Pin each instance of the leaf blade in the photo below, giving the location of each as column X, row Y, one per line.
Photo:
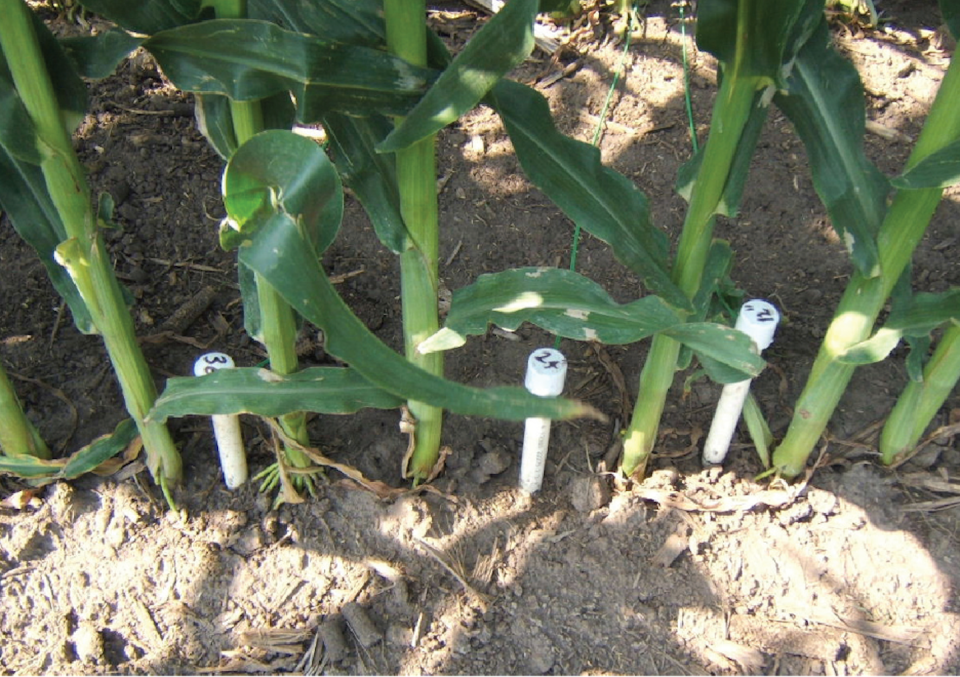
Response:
column 824, row 101
column 496, row 49
column 247, row 60
column 326, row 390
column 605, row 203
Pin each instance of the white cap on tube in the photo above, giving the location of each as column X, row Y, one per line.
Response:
column 546, row 371
column 758, row 319
column 211, row 362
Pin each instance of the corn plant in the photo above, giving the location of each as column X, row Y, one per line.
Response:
column 929, row 385
column 18, row 436
column 329, row 57
column 419, row 275
column 850, row 340
column 758, row 45
column 270, row 319
column 45, row 193
column 104, row 455
column 268, row 208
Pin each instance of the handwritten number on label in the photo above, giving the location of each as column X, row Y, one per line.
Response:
column 544, row 359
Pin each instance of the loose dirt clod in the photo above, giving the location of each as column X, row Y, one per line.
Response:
column 360, row 625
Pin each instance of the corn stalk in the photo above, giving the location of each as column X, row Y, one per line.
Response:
column 83, row 253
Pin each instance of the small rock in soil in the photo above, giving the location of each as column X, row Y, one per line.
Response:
column 489, row 464
column 334, row 644
column 88, row 643
column 589, row 493
column 541, row 655
column 399, row 635
column 361, row 625
column 927, row 457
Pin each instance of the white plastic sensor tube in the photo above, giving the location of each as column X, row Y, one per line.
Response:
column 546, row 372
column 226, row 427
column 758, row 320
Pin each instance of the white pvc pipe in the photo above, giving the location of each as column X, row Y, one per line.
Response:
column 546, row 371
column 758, row 319
column 226, row 427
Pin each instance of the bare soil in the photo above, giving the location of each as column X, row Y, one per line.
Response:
column 694, row 571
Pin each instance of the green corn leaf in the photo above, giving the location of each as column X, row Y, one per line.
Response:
column 279, row 167
column 275, row 249
column 558, row 300
column 824, row 100
column 725, row 353
column 758, row 38
column 24, row 198
column 371, row 175
column 758, row 428
column 327, row 390
column 951, row 16
column 85, row 460
column 249, row 60
column 573, row 306
column 350, row 21
column 69, row 89
column 357, row 22
column 275, row 166
column 496, row 49
column 605, row 203
column 18, row 136
column 938, row 170
column 146, row 18
column 917, row 318
column 216, row 123
column 98, row 56
column 736, row 181
column 917, row 357
column 279, row 254
column 715, row 272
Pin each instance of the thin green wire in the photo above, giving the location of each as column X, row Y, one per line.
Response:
column 575, row 245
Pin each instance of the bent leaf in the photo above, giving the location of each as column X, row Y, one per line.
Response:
column 278, row 169
column 97, row 56
column 87, row 459
column 496, row 49
column 938, row 170
column 602, row 201
column 249, row 60
column 824, row 101
column 916, row 318
column 327, row 390
column 278, row 253
column 573, row 306
column 558, row 300
column 274, row 247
